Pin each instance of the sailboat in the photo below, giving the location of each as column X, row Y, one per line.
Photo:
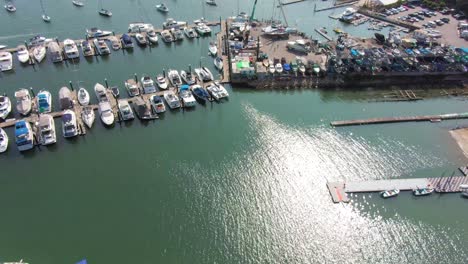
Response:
column 45, row 17
column 104, row 12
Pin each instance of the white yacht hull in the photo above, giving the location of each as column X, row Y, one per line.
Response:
column 4, row 141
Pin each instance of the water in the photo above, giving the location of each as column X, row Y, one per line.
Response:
column 237, row 182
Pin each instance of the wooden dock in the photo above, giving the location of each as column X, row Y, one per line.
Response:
column 384, row 120
column 323, row 34
column 335, row 6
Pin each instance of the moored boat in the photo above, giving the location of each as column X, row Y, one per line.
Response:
column 126, row 112
column 100, row 92
column 142, row 110
column 47, row 133
column 141, row 40
column 78, row 3
column 101, row 46
column 222, row 91
column 177, row 34
column 115, row 91
column 65, row 98
column 390, row 193
column 6, row 61
column 22, row 53
column 69, row 125
column 171, row 23
column 186, row 96
column 23, row 135
column 157, row 104
column 172, row 100
column 213, row 49
column 71, row 50
column 127, row 42
column 174, row 78
column 152, row 36
column 88, row 116
column 23, row 101
column 133, row 89
column 97, row 33
column 10, row 7
column 3, row 141
column 83, row 96
column 87, row 48
column 39, row 53
column 105, row 12
column 188, row 77
column 106, row 114
column 55, row 52
column 464, row 190
column 218, row 62
column 190, row 32
column 148, row 85
column 167, row 36
column 44, row 101
column 5, row 106
column 423, row 191
column 115, row 43
column 162, row 8
column 201, row 95
column 204, row 74
column 214, row 91
column 138, row 27
column 161, row 81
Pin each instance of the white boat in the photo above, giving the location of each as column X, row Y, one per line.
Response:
column 106, row 114
column 148, row 85
column 139, row 27
column 299, row 45
column 88, row 116
column 3, row 47
column 38, row 40
column 140, row 39
column 167, row 36
column 10, row 7
column 157, row 104
column 23, row 101
column 69, row 125
column 204, row 74
column 177, row 34
column 390, row 193
column 214, row 91
column 174, row 78
column 3, row 141
column 5, row 107
column 348, row 15
column 65, row 98
column 302, row 68
column 213, row 49
column 101, row 47
column 188, row 77
column 23, row 135
column 83, row 96
column 161, row 81
column 71, row 50
column 47, row 133
column 105, row 12
column 464, row 190
column 152, row 36
column 218, row 62
column 271, row 68
column 190, row 32
column 23, row 54
column 125, row 110
column 211, row 2
column 78, row 3
column 278, row 68
column 39, row 53
column 97, row 33
column 162, row 8
column 423, row 191
column 44, row 102
column 100, row 92
column 186, row 96
column 171, row 23
column 115, row 43
column 202, row 28
column 6, row 61
column 46, row 18
column 142, row 110
column 55, row 52
column 133, row 89
column 222, row 91
column 172, row 100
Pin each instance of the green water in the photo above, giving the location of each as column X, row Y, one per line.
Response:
column 237, row 182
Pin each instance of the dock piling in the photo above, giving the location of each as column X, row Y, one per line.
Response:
column 107, row 85
column 71, row 85
column 135, row 77
column 32, row 91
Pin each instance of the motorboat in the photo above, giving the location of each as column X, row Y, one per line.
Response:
column 65, row 98
column 162, row 8
column 23, row 54
column 204, row 74
column 271, row 68
column 188, row 77
column 201, row 95
column 167, row 36
column 174, row 78
column 127, row 42
column 141, row 40
column 133, row 88
column 278, row 68
column 100, row 92
column 6, row 61
column 177, row 34
column 97, row 33
column 69, row 125
column 126, row 112
column 302, row 68
column 23, row 101
column 202, row 28
column 148, row 85
column 152, row 36
column 139, row 27
column 38, row 40
column 171, row 23
column 218, row 62
column 211, row 2
column 115, row 91
column 161, row 81
column 71, row 50
column 5, row 106
column 299, row 45
column 348, row 15
column 46, row 18
column 83, row 96
column 157, row 104
column 78, row 3
column 213, row 49
column 10, row 7
column 464, row 190
column 423, row 191
column 23, row 135
column 390, row 193
column 106, row 114
column 142, row 110
column 101, row 47
column 44, row 101
column 186, row 96
column 39, row 53
column 88, row 116
column 172, row 100
column 190, row 32
column 223, row 93
column 115, row 43
column 47, row 133
column 3, row 141
column 105, row 12
column 87, row 48
column 55, row 52
column 214, row 91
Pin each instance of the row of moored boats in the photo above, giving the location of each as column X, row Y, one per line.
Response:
column 422, row 191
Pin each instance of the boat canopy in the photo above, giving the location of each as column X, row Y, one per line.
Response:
column 157, row 99
column 286, row 67
column 67, row 117
column 126, row 38
column 184, row 87
column 20, row 128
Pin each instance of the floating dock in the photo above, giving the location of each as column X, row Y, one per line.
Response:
column 323, row 34
column 335, row 6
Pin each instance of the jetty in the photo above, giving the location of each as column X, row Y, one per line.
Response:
column 334, row 7
column 323, row 34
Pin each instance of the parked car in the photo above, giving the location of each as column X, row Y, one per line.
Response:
column 445, row 20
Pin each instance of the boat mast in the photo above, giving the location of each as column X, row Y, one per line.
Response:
column 42, row 8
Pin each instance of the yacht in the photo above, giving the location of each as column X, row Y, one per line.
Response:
column 6, row 61
column 97, row 33
column 105, row 12
column 133, row 88
column 38, row 40
column 65, row 98
column 167, row 36
column 23, row 135
column 23, row 54
column 106, row 114
column 5, row 107
column 201, row 95
column 186, row 96
column 100, row 92
column 213, row 49
column 115, row 43
column 101, row 47
column 78, row 3
column 127, row 42
column 148, row 85
column 44, row 101
column 190, row 32
column 202, row 28
column 171, row 23
column 139, row 27
column 23, row 101
column 174, row 78
column 222, row 91
column 172, row 100
column 47, row 133
column 299, row 45
column 83, row 96
column 141, row 40
column 55, row 52
column 39, row 53
column 204, row 74
column 390, row 193
column 188, row 77
column 278, row 68
column 152, row 37
column 464, row 189
column 71, row 50
column 125, row 110
column 142, row 110
column 3, row 141
column 157, row 104
column 69, row 125
column 87, row 48
column 162, row 8
column 161, row 81
column 211, row 2
column 88, row 116
column 348, row 15
column 10, row 7
column 115, row 91
column 177, row 34
column 218, row 62
column 214, row 91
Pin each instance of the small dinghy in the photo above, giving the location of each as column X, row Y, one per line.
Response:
column 115, row 91
column 10, row 8
column 88, row 116
column 211, row 2
column 390, row 193
column 3, row 141
column 423, row 191
column 105, row 12
column 46, row 18
column 83, row 96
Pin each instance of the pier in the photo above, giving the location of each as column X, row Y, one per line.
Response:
column 335, row 6
column 323, row 34
column 388, row 20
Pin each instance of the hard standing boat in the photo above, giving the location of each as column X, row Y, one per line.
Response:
column 23, row 135
column 23, row 54
column 88, row 116
column 44, row 101
column 106, row 114
column 23, row 101
column 172, row 100
column 3, row 141
column 47, row 133
column 133, row 89
column 83, row 96
column 125, row 110
column 6, row 61
column 5, row 107
column 69, row 126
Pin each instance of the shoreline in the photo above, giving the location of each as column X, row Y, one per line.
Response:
column 461, row 137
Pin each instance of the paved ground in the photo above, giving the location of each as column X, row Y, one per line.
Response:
column 461, row 136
